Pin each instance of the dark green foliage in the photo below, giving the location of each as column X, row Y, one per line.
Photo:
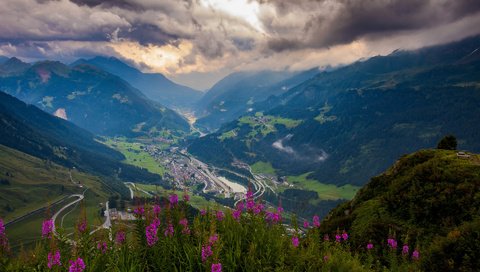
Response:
column 428, row 200
column 448, row 143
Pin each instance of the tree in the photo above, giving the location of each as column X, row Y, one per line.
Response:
column 448, row 142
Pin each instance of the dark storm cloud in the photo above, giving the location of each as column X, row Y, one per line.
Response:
column 344, row 21
column 124, row 4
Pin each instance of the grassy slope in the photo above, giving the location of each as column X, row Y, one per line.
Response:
column 35, row 184
column 325, row 191
column 136, row 156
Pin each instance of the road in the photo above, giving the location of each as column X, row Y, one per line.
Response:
column 128, row 184
column 54, row 217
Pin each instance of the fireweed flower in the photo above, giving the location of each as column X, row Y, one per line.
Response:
column 120, row 237
column 2, row 227
column 203, row 212
column 369, row 246
column 206, row 252
column 236, row 214
column 173, row 198
column 53, row 259
column 102, row 246
column 77, row 266
column 338, row 238
column 156, row 209
column 139, row 211
column 295, row 241
column 325, row 258
column 250, row 205
column 280, row 210
column 392, row 243
column 169, row 231
column 240, row 206
column 213, row 239
column 217, row 267
column 47, row 228
column 405, row 249
column 151, row 234
column 306, row 224
column 82, row 227
column 156, row 221
column 415, row 255
column 220, row 215
column 316, row 221
column 184, row 223
column 326, row 237
column 345, row 236
column 258, row 208
column 186, row 197
column 249, row 194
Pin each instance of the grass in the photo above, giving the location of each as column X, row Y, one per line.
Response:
column 134, row 155
column 266, row 124
column 263, row 168
column 325, row 191
column 229, row 134
column 35, row 183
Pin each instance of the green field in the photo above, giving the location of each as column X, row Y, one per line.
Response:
column 263, row 168
column 325, row 191
column 134, row 155
column 265, row 124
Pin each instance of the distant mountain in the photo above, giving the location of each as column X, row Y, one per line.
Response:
column 3, row 59
column 236, row 94
column 427, row 200
column 346, row 125
column 30, row 130
column 89, row 97
column 13, row 66
column 155, row 86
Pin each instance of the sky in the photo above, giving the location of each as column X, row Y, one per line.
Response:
column 197, row 42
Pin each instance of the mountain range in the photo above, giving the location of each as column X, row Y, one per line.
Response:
column 346, row 125
column 89, row 97
column 153, row 85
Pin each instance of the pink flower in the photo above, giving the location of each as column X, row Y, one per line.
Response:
column 326, row 237
column 220, row 215
column 250, row 205
column 206, row 252
column 405, row 249
column 139, row 211
column 120, row 237
column 82, row 227
column 240, row 206
column 47, row 228
column 392, row 243
column 338, row 238
column 156, row 221
column 217, row 267
column 316, row 221
column 213, row 239
column 345, row 236
column 183, row 222
column 369, row 246
column 2, row 228
column 102, row 246
column 237, row 214
column 186, row 197
column 173, row 198
column 306, row 224
column 295, row 241
column 415, row 254
column 157, row 209
column 249, row 194
column 151, row 234
column 258, row 208
column 77, row 266
column 325, row 258
column 53, row 259
column 280, row 209
column 169, row 231
column 203, row 212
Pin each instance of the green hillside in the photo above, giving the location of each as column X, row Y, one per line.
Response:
column 429, row 200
